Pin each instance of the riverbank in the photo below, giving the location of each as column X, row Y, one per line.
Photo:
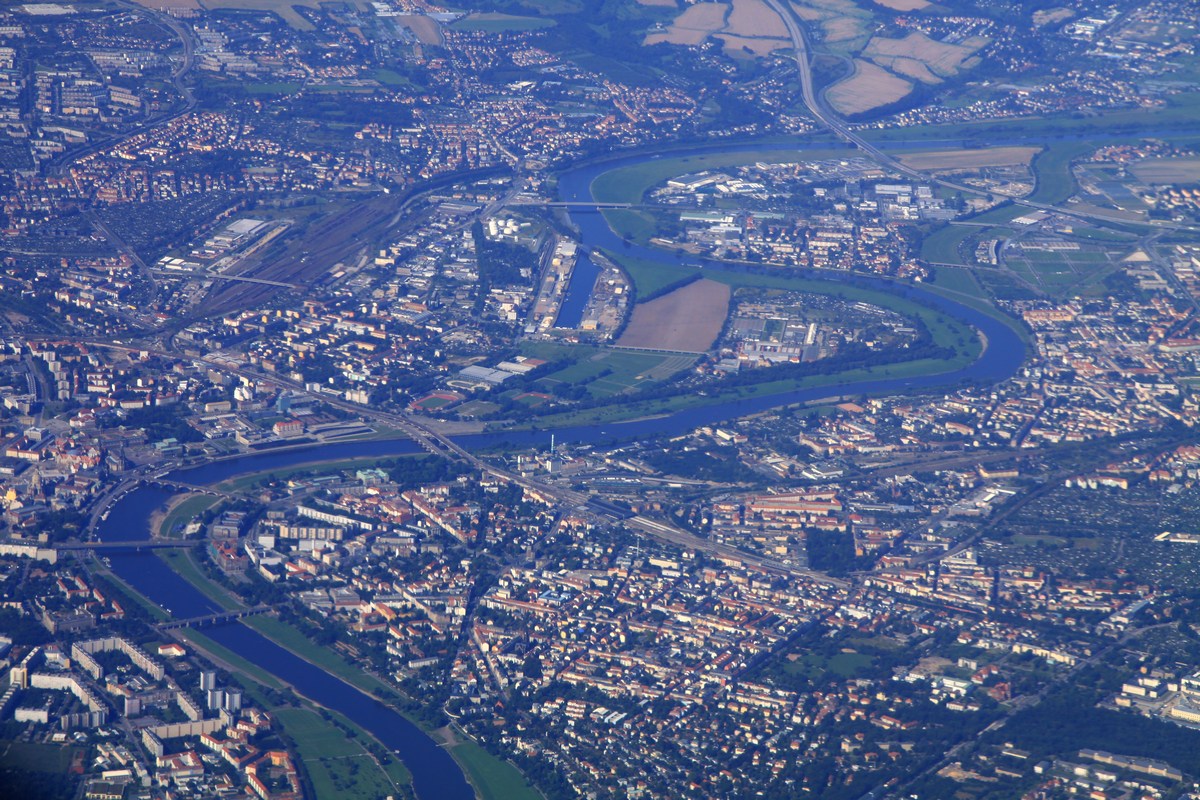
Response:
column 492, row 778
column 178, row 512
column 331, row 747
column 292, row 659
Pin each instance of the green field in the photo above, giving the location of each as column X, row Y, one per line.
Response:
column 50, row 758
column 299, row 643
column 182, row 514
column 1061, row 273
column 944, row 246
column 389, row 77
column 649, row 277
column 1178, row 115
column 1104, row 235
column 1001, row 215
column 493, row 778
column 339, row 766
column 499, row 23
column 243, row 482
column 1052, row 167
column 636, row 226
column 635, row 409
column 960, row 280
column 236, row 662
column 284, row 8
column 982, row 305
column 946, row 332
column 814, row 666
column 629, row 184
column 272, row 87
column 605, row 372
column 476, row 408
column 185, row 565
column 1003, row 286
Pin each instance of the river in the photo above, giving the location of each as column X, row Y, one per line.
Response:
column 436, row 776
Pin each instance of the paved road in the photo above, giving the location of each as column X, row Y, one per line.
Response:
column 442, row 445
column 178, row 75
column 826, row 116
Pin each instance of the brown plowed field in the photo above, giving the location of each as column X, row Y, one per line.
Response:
column 687, row 320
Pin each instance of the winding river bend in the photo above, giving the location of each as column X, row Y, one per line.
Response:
column 436, row 776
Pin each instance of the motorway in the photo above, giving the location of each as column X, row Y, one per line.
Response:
column 439, row 444
column 826, row 116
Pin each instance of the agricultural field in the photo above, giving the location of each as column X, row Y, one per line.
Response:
column 1167, row 170
column 170, row 5
column 949, row 160
column 844, row 26
column 284, row 9
column 1051, row 16
column 921, row 57
column 754, row 27
column 868, row 88
column 755, row 18
column 694, row 25
column 688, row 319
column 903, row 5
column 745, row 26
column 424, row 28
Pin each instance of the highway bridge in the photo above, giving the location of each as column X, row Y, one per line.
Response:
column 442, row 445
column 144, row 544
column 212, row 619
column 188, row 487
column 573, row 204
column 820, row 110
